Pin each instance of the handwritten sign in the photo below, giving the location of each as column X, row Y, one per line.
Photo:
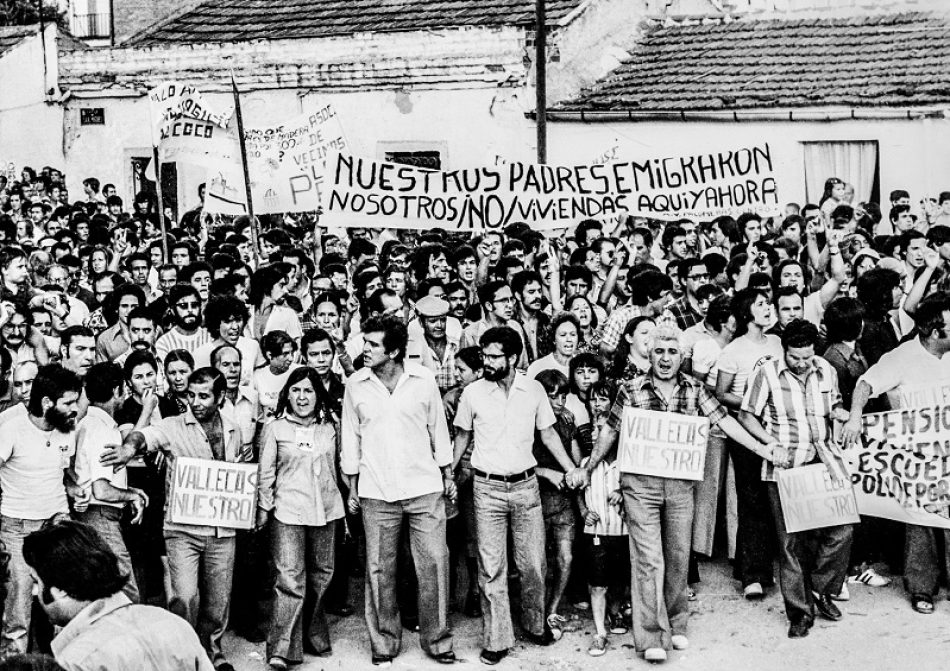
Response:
column 663, row 444
column 185, row 127
column 812, row 499
column 286, row 163
column 363, row 192
column 213, row 493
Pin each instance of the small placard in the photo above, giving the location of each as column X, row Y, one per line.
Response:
column 663, row 444
column 92, row 116
column 211, row 493
column 812, row 499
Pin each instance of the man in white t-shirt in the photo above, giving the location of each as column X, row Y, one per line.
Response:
column 109, row 488
column 36, row 452
column 187, row 333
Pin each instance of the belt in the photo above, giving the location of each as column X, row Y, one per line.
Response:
column 516, row 477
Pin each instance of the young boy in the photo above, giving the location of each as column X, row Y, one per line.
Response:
column 557, row 503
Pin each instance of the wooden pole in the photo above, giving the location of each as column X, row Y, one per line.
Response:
column 540, row 86
column 247, row 175
column 161, row 202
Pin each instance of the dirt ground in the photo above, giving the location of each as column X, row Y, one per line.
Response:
column 879, row 632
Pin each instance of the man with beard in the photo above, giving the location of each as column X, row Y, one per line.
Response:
column 501, row 413
column 77, row 349
column 22, row 341
column 36, row 451
column 397, row 460
column 187, row 332
column 200, row 558
column 527, row 287
column 225, row 319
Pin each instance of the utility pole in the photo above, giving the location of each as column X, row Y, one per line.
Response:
column 540, row 70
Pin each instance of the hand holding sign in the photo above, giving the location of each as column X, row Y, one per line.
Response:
column 851, row 432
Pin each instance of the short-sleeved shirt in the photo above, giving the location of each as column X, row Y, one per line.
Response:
column 31, row 470
column 504, row 425
column 96, row 431
column 742, row 357
column 909, row 364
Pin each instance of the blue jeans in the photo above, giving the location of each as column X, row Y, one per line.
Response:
column 501, row 507
column 660, row 522
column 18, row 605
column 304, row 558
column 202, row 569
column 382, row 523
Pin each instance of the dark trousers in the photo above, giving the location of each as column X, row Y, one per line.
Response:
column 925, row 559
column 809, row 561
column 754, row 535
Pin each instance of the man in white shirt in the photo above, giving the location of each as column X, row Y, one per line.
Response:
column 36, row 452
column 501, row 413
column 397, row 459
column 109, row 488
column 187, row 333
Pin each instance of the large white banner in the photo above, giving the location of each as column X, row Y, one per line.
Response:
column 286, row 163
column 363, row 192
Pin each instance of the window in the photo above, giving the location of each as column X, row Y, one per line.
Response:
column 91, row 19
column 854, row 162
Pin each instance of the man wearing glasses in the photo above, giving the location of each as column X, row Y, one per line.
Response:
column 498, row 309
column 687, row 309
column 187, row 333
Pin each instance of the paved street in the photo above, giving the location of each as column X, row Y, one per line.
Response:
column 727, row 633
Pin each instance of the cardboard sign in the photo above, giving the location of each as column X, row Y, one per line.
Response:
column 286, row 163
column 663, row 444
column 363, row 192
column 185, row 127
column 212, row 493
column 812, row 499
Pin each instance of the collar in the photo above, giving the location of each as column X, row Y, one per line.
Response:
column 646, row 381
column 226, row 424
column 782, row 367
column 87, row 617
column 95, row 412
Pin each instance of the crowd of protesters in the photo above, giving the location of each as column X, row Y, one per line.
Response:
column 439, row 414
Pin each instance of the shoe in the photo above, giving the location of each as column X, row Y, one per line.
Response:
column 753, row 591
column 616, row 624
column 627, row 609
column 680, row 642
column 556, row 625
column 547, row 638
column 224, row 666
column 492, row 657
column 843, row 595
column 445, row 657
column 869, row 577
column 827, row 608
column 342, row 610
column 473, row 605
column 691, row 593
column 655, row 655
column 382, row 661
column 277, row 664
column 582, row 605
column 598, row 646
column 922, row 603
column 798, row 629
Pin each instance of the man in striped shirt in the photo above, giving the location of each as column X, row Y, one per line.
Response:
column 187, row 333
column 792, row 400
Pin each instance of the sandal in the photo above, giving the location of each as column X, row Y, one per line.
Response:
column 922, row 604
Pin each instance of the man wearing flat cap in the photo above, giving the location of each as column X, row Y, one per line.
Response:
column 436, row 350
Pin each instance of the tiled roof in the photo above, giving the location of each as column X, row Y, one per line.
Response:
column 242, row 20
column 10, row 36
column 880, row 61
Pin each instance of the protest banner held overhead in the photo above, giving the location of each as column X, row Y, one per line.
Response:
column 365, row 192
column 663, row 444
column 812, row 499
column 286, row 166
column 213, row 493
column 187, row 128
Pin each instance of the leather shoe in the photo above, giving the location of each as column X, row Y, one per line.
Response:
column 547, row 638
column 492, row 657
column 798, row 629
column 827, row 608
column 445, row 657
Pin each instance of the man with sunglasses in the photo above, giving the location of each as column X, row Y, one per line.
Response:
column 187, row 333
column 687, row 309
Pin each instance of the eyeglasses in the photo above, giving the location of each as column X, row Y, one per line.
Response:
column 188, row 306
column 699, row 276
